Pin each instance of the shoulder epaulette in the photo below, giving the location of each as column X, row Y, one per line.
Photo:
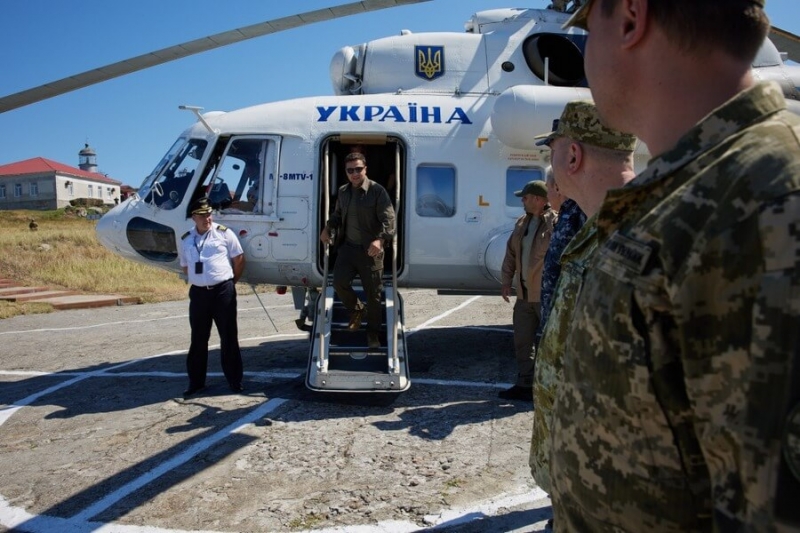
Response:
column 185, row 235
column 221, row 227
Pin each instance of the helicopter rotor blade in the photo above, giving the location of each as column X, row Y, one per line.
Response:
column 204, row 44
column 786, row 42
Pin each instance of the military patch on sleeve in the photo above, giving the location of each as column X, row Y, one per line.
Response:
column 185, row 235
column 791, row 441
column 633, row 254
column 221, row 227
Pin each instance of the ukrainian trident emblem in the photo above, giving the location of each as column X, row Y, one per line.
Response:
column 429, row 63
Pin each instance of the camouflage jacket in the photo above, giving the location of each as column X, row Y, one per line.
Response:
column 682, row 363
column 548, row 373
column 570, row 220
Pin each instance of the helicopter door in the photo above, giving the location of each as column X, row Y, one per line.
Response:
column 385, row 157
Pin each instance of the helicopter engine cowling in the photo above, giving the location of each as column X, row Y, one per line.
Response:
column 344, row 74
column 495, row 252
column 523, row 111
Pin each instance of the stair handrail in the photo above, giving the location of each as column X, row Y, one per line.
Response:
column 322, row 360
column 394, row 363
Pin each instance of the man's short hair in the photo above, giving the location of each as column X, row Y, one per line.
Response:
column 736, row 26
column 356, row 156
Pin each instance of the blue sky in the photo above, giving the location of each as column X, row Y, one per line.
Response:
column 131, row 121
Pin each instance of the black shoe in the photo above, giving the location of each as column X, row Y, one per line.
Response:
column 373, row 341
column 355, row 319
column 192, row 390
column 237, row 388
column 549, row 525
column 517, row 393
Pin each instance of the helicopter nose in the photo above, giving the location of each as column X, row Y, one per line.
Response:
column 111, row 233
column 126, row 232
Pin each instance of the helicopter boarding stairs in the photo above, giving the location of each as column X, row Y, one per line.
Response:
column 341, row 361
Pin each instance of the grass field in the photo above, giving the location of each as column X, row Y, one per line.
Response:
column 64, row 253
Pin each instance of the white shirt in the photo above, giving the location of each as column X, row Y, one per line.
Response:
column 214, row 249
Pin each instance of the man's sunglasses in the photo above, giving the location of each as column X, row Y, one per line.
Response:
column 355, row 170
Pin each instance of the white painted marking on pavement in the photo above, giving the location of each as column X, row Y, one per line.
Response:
column 11, row 516
column 123, row 322
column 184, row 457
column 443, row 315
column 6, row 412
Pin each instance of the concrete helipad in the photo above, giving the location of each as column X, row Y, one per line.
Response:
column 94, row 435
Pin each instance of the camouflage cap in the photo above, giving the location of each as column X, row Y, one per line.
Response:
column 579, row 121
column 579, row 18
column 201, row 206
column 535, row 187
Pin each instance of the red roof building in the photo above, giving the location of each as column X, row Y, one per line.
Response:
column 43, row 184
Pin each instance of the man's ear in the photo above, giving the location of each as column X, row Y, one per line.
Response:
column 574, row 157
column 633, row 17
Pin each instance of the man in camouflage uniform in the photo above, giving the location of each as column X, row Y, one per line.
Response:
column 679, row 406
column 587, row 159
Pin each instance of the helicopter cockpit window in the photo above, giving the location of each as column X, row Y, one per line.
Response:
column 174, row 173
column 237, row 183
column 436, row 191
column 516, row 178
column 144, row 189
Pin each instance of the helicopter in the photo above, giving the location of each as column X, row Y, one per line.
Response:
column 446, row 121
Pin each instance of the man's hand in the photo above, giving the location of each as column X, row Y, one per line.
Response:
column 325, row 236
column 505, row 290
column 375, row 247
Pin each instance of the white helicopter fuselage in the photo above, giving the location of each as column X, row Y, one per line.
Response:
column 456, row 242
column 448, row 117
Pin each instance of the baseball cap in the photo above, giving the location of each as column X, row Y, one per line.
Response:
column 535, row 187
column 580, row 121
column 201, row 206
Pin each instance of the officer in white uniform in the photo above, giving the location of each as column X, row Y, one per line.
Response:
column 212, row 258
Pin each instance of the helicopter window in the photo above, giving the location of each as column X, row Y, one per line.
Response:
column 237, row 184
column 168, row 190
column 516, row 178
column 169, row 156
column 436, row 191
column 152, row 240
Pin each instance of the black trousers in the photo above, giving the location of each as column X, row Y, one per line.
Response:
column 353, row 260
column 217, row 305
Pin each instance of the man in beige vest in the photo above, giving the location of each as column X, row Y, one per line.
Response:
column 522, row 267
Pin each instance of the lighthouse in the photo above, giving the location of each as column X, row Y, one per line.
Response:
column 87, row 159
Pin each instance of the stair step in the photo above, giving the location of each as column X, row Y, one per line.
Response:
column 12, row 291
column 33, row 296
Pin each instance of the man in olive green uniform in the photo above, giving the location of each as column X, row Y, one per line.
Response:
column 365, row 219
column 680, row 406
column 587, row 159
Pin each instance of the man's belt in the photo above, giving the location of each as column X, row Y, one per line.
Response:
column 210, row 287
